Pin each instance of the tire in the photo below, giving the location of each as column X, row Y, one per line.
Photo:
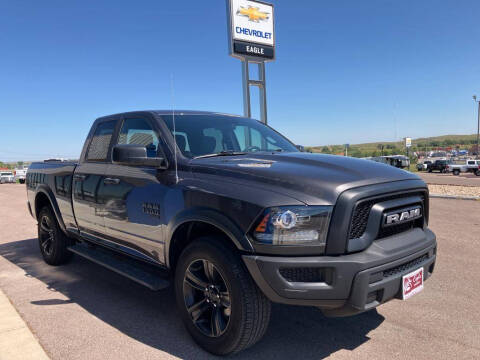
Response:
column 456, row 172
column 477, row 173
column 242, row 311
column 51, row 239
column 429, row 170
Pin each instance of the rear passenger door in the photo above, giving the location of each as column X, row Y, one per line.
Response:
column 134, row 217
column 88, row 181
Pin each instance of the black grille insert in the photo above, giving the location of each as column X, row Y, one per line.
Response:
column 406, row 266
column 306, row 274
column 361, row 212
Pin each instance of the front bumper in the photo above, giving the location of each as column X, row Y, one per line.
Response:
column 351, row 283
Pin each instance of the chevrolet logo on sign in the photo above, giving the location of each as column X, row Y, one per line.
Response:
column 253, row 13
column 252, row 28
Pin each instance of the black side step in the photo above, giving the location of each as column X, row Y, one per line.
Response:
column 137, row 271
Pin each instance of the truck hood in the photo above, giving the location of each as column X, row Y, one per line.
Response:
column 314, row 179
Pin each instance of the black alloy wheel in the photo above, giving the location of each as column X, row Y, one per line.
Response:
column 52, row 240
column 207, row 298
column 219, row 303
column 46, row 235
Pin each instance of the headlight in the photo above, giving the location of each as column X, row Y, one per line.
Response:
column 293, row 225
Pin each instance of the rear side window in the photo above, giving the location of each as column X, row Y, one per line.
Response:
column 139, row 132
column 98, row 149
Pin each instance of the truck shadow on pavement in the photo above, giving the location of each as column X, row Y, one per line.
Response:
column 151, row 317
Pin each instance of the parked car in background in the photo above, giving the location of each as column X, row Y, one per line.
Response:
column 6, row 177
column 423, row 166
column 438, row 165
column 20, row 174
column 469, row 166
column 399, row 161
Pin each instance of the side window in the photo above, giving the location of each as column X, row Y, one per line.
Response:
column 139, row 132
column 98, row 149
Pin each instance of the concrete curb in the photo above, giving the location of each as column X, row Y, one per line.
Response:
column 455, row 197
column 16, row 340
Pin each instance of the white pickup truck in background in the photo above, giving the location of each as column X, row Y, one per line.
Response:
column 20, row 174
column 469, row 166
column 6, row 177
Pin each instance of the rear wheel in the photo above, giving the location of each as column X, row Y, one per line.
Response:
column 222, row 308
column 456, row 172
column 53, row 242
column 477, row 172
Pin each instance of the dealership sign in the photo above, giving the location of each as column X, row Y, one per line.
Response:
column 251, row 29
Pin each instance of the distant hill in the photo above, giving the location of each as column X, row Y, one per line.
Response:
column 397, row 147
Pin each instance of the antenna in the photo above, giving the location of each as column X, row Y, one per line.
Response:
column 174, row 129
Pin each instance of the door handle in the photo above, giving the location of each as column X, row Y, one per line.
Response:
column 111, row 181
column 79, row 177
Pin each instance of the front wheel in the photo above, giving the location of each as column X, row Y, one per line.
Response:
column 221, row 306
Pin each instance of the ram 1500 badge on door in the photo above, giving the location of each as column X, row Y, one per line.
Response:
column 235, row 216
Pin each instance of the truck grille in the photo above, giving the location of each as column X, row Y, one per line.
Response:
column 361, row 212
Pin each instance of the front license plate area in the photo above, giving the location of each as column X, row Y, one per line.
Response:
column 412, row 283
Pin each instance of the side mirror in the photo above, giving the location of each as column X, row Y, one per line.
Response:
column 135, row 155
column 300, row 148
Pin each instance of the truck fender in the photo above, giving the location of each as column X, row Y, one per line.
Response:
column 44, row 189
column 211, row 217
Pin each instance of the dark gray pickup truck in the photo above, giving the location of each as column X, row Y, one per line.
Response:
column 235, row 216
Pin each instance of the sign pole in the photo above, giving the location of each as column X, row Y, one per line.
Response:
column 263, row 93
column 247, row 110
column 252, row 40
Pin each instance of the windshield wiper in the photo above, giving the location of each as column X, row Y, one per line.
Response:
column 221, row 153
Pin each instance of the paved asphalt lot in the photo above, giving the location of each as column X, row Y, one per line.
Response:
column 466, row 179
column 83, row 311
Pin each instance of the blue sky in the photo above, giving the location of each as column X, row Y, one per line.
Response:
column 346, row 71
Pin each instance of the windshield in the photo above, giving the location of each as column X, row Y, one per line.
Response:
column 198, row 135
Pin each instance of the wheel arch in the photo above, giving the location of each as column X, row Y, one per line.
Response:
column 45, row 197
column 194, row 223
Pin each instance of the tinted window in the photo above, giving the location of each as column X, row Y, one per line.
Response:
column 209, row 134
column 139, row 132
column 98, row 149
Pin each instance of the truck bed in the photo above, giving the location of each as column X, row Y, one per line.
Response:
column 56, row 177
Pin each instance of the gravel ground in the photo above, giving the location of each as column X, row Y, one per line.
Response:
column 83, row 311
column 454, row 190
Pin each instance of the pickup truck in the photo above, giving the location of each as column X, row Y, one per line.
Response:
column 438, row 165
column 469, row 166
column 6, row 177
column 20, row 175
column 235, row 217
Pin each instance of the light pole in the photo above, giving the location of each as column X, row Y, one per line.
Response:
column 478, row 120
